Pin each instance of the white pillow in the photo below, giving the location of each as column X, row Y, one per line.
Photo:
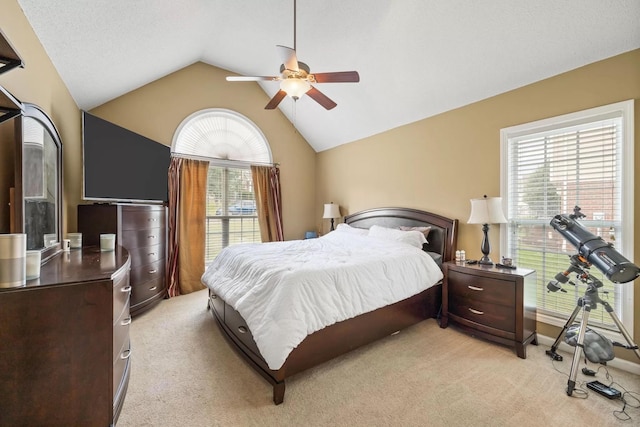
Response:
column 423, row 230
column 346, row 228
column 413, row 237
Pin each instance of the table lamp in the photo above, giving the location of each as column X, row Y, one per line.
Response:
column 485, row 211
column 331, row 211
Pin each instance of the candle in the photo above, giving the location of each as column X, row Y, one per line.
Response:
column 76, row 240
column 107, row 242
column 33, row 264
column 12, row 260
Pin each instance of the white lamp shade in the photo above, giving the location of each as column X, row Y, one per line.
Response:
column 487, row 211
column 331, row 211
column 295, row 88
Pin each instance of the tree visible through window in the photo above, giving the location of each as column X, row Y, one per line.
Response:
column 551, row 166
column 231, row 143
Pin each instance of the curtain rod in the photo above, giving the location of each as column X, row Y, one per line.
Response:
column 222, row 161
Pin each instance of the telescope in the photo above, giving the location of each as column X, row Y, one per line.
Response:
column 594, row 249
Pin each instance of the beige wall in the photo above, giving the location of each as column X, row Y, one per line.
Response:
column 439, row 163
column 157, row 109
column 39, row 83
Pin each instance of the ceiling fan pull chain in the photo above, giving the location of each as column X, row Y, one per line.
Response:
column 294, row 114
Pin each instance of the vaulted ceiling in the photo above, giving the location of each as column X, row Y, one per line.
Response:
column 416, row 58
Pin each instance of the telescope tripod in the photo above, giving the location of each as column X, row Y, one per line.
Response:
column 589, row 301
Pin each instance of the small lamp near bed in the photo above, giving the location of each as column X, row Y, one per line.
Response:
column 331, row 211
column 485, row 211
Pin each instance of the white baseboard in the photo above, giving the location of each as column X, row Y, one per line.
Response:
column 618, row 363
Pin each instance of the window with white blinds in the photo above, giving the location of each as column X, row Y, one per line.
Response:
column 549, row 167
column 231, row 209
column 231, row 143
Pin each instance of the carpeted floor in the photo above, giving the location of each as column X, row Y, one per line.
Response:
column 184, row 373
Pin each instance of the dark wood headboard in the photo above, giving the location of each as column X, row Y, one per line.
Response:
column 442, row 238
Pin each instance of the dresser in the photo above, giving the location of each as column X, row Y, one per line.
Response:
column 64, row 342
column 492, row 303
column 142, row 230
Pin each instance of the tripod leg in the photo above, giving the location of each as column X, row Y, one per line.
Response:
column 571, row 384
column 623, row 331
column 552, row 351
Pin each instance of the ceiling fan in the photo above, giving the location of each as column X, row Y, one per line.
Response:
column 296, row 78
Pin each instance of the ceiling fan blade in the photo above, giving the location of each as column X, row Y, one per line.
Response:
column 276, row 100
column 337, row 77
column 251, row 78
column 321, row 98
column 288, row 57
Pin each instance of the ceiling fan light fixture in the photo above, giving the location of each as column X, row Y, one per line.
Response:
column 295, row 87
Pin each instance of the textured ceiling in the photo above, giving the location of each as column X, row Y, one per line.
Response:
column 416, row 58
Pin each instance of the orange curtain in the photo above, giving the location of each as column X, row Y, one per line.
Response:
column 266, row 188
column 187, row 211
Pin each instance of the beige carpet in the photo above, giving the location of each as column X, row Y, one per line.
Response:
column 184, row 373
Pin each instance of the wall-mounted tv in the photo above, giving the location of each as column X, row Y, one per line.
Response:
column 122, row 166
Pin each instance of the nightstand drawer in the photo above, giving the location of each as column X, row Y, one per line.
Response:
column 481, row 289
column 495, row 316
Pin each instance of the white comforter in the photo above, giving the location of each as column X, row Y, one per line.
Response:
column 288, row 290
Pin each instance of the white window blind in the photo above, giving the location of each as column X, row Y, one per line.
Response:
column 549, row 167
column 231, row 209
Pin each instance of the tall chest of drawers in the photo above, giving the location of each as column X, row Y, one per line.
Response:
column 142, row 230
column 491, row 303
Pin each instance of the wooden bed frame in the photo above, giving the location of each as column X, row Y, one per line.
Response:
column 350, row 334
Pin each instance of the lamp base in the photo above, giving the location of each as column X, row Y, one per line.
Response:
column 486, row 247
column 485, row 260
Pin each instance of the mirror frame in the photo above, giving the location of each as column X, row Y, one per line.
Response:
column 35, row 112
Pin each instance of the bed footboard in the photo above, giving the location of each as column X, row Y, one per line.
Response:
column 327, row 343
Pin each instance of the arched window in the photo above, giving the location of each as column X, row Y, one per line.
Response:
column 220, row 134
column 231, row 143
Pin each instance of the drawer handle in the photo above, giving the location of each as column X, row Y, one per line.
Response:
column 475, row 288
column 151, row 254
column 152, row 219
column 152, row 236
column 126, row 321
column 126, row 289
column 153, row 288
column 242, row 329
column 125, row 354
column 214, row 296
column 153, row 271
column 476, row 311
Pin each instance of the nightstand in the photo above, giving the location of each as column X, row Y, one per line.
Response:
column 492, row 303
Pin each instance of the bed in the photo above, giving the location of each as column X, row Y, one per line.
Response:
column 340, row 337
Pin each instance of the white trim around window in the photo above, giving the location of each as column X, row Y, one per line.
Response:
column 620, row 111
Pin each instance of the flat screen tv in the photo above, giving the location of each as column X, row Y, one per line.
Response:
column 122, row 166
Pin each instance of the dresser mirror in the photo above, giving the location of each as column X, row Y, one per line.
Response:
column 38, row 192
